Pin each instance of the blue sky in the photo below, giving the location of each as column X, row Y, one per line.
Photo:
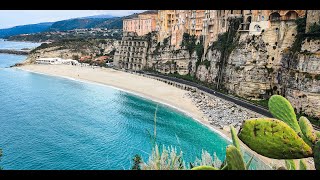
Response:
column 10, row 18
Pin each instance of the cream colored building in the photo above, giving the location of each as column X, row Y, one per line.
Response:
column 131, row 52
column 142, row 25
column 166, row 19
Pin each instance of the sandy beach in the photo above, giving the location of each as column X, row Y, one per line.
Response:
column 139, row 85
column 142, row 86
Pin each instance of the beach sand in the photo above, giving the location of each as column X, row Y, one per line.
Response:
column 139, row 85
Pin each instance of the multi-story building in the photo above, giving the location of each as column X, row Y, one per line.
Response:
column 166, row 19
column 180, row 27
column 131, row 52
column 200, row 16
column 142, row 25
column 255, row 21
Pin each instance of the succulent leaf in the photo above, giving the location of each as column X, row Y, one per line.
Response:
column 235, row 139
column 274, row 139
column 234, row 159
column 281, row 109
column 318, row 134
column 290, row 165
column 204, row 168
column 302, row 164
column 307, row 129
column 249, row 162
column 316, row 156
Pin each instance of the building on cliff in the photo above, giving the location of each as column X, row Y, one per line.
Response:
column 131, row 52
column 166, row 19
column 142, row 25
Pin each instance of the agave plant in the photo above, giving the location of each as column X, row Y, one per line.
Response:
column 282, row 137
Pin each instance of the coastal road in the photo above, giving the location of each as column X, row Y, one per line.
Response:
column 243, row 103
column 240, row 102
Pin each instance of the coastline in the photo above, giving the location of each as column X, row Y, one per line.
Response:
column 222, row 133
column 184, row 105
column 23, row 41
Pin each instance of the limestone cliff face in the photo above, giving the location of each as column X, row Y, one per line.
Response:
column 71, row 49
column 166, row 59
column 252, row 68
column 301, row 78
column 209, row 73
column 246, row 71
column 50, row 53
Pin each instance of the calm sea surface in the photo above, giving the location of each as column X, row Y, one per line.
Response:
column 55, row 123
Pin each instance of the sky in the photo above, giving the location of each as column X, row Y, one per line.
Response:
column 10, row 18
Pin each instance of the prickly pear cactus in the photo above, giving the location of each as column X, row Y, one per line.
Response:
column 318, row 134
column 316, row 156
column 307, row 129
column 235, row 139
column 290, row 165
column 204, row 168
column 302, row 164
column 281, row 109
column 234, row 159
column 274, row 139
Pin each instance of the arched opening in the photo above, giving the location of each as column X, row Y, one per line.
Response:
column 249, row 19
column 291, row 15
column 274, row 16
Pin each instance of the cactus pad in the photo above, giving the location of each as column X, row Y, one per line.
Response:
column 318, row 134
column 204, row 168
column 307, row 129
column 281, row 109
column 316, row 156
column 302, row 164
column 234, row 159
column 274, row 139
column 235, row 139
column 290, row 165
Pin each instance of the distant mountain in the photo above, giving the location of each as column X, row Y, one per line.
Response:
column 85, row 23
column 25, row 29
column 97, row 21
column 98, row 16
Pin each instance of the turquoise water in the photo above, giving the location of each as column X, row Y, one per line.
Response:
column 17, row 45
column 55, row 123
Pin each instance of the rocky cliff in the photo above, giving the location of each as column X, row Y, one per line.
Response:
column 72, row 49
column 282, row 59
